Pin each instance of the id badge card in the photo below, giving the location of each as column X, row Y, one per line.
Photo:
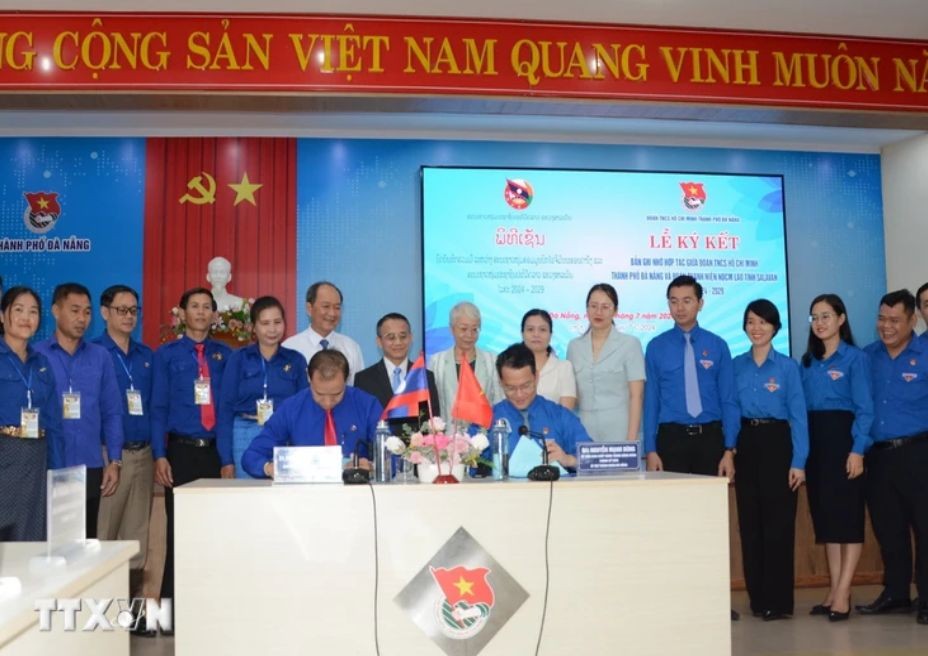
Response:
column 71, row 405
column 134, row 401
column 265, row 409
column 29, row 422
column 202, row 394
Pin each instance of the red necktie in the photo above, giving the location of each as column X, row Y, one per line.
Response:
column 208, row 411
column 330, row 439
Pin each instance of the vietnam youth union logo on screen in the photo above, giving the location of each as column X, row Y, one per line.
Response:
column 518, row 193
column 694, row 195
column 42, row 211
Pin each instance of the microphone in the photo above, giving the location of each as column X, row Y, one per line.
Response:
column 354, row 475
column 544, row 471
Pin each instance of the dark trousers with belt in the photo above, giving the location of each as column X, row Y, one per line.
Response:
column 694, row 449
column 897, row 496
column 188, row 463
column 766, row 514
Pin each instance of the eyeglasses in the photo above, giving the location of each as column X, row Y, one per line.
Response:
column 605, row 307
column 824, row 316
column 122, row 310
column 515, row 389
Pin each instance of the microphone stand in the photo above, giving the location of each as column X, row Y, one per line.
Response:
column 355, row 475
column 544, row 471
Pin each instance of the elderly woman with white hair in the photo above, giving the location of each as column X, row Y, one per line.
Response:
column 464, row 322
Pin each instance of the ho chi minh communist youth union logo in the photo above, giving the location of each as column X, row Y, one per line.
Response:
column 461, row 597
column 518, row 193
column 466, row 600
column 694, row 195
column 42, row 212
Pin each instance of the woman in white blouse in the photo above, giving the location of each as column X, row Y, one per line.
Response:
column 555, row 377
column 609, row 367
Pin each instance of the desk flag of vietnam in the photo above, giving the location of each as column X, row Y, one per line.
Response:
column 470, row 403
column 415, row 390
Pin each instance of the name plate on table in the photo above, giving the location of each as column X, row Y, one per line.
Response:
column 307, row 464
column 604, row 458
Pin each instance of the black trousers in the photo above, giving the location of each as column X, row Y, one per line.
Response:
column 94, row 481
column 690, row 451
column 766, row 515
column 897, row 495
column 188, row 464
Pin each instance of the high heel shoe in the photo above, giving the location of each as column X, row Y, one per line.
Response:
column 837, row 616
column 820, row 609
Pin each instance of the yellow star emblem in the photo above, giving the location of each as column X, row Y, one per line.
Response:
column 43, row 203
column 245, row 190
column 464, row 586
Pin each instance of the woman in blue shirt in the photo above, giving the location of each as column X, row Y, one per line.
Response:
column 30, row 420
column 256, row 379
column 772, row 447
column 836, row 381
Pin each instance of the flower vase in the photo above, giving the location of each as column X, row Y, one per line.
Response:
column 428, row 472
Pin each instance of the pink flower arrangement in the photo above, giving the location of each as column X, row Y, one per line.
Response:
column 432, row 441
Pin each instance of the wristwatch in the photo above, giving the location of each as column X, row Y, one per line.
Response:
column 118, row 463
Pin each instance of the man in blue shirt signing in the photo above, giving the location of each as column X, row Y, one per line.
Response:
column 523, row 407
column 329, row 413
column 897, row 464
column 691, row 414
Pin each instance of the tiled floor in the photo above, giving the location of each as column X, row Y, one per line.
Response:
column 892, row 635
column 804, row 635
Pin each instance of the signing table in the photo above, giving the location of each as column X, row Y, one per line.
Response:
column 99, row 573
column 637, row 564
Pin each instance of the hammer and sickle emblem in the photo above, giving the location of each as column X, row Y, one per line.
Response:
column 205, row 194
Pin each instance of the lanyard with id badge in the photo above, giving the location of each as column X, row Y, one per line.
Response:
column 28, row 416
column 265, row 406
column 202, row 393
column 70, row 400
column 133, row 396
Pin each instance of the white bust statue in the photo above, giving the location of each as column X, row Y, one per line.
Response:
column 219, row 274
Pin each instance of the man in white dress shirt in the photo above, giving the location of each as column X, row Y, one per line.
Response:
column 324, row 307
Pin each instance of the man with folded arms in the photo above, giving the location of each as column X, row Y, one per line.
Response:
column 329, row 413
column 897, row 463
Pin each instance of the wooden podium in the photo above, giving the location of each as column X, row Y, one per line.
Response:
column 638, row 564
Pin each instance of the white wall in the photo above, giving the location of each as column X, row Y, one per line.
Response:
column 905, row 212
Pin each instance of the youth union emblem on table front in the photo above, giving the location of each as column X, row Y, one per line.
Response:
column 462, row 596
